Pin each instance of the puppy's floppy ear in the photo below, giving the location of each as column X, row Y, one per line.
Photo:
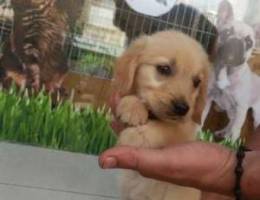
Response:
column 202, row 96
column 126, row 66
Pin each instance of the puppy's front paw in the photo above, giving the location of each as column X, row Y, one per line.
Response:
column 223, row 133
column 220, row 135
column 132, row 111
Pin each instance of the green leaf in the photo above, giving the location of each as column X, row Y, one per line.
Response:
column 208, row 136
column 30, row 118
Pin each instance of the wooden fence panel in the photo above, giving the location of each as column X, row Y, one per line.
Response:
column 88, row 89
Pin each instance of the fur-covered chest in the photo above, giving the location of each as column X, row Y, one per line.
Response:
column 231, row 80
column 230, row 89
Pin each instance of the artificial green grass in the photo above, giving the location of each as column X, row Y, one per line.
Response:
column 33, row 120
column 208, row 136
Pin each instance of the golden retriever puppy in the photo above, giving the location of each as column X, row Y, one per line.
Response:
column 163, row 80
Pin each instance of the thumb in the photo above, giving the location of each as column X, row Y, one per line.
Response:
column 150, row 163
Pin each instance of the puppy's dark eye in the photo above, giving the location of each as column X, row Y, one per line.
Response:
column 164, row 69
column 196, row 82
column 249, row 42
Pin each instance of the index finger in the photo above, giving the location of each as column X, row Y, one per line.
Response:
column 149, row 162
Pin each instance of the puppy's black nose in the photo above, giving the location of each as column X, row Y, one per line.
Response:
column 180, row 108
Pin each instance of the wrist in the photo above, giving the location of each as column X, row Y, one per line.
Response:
column 215, row 174
column 224, row 178
column 250, row 181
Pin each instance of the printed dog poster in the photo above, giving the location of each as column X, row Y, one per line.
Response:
column 69, row 47
column 235, row 79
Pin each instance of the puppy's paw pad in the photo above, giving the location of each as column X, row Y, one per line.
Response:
column 132, row 111
column 221, row 134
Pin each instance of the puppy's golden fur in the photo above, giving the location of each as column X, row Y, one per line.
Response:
column 152, row 75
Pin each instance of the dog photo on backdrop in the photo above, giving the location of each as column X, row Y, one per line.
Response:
column 34, row 52
column 233, row 86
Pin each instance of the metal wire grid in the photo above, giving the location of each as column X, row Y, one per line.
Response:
column 97, row 42
column 165, row 22
column 6, row 24
column 183, row 18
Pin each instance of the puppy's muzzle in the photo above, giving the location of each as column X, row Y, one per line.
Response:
column 232, row 52
column 180, row 108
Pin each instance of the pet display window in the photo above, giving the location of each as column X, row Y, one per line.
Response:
column 57, row 61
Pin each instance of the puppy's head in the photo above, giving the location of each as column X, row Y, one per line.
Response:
column 235, row 44
column 169, row 72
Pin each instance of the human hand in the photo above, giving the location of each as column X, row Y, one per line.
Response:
column 208, row 167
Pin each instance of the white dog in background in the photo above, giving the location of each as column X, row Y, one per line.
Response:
column 234, row 87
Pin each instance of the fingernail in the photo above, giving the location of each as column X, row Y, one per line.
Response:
column 109, row 163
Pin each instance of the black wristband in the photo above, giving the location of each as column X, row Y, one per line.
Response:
column 239, row 171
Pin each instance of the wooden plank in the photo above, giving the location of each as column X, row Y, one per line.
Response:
column 14, row 192
column 88, row 89
column 44, row 169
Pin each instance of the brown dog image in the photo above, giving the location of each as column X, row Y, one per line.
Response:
column 163, row 80
column 34, row 54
